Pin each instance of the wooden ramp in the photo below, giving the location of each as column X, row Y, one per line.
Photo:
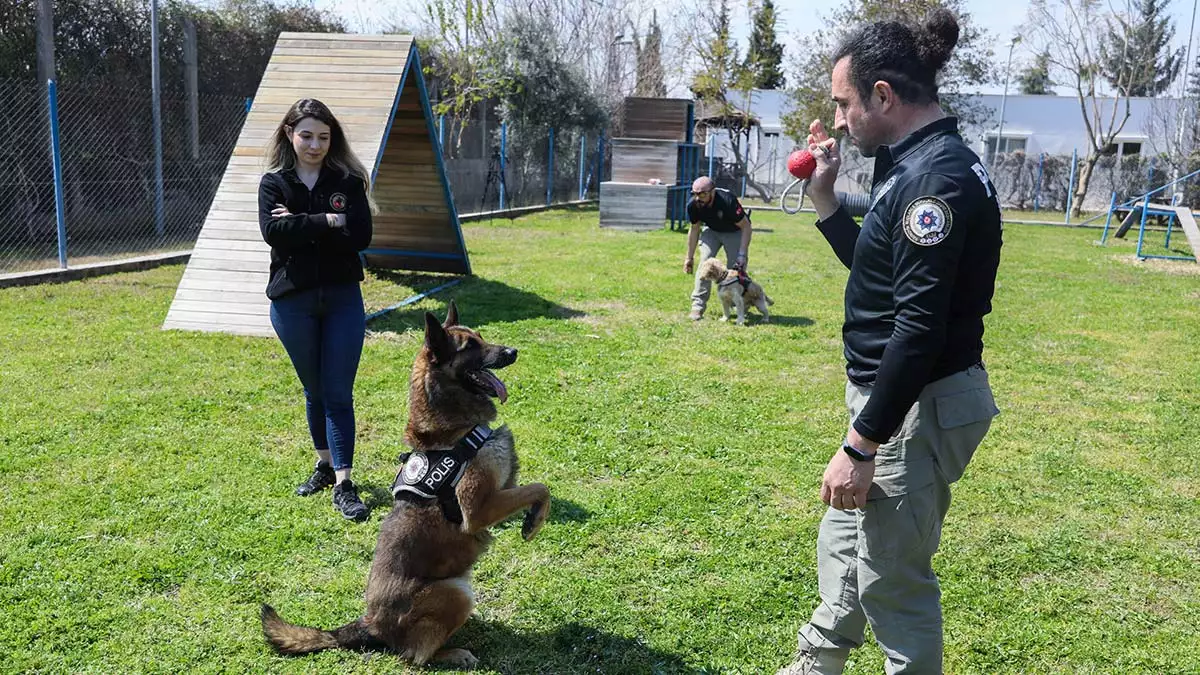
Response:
column 374, row 85
column 1189, row 228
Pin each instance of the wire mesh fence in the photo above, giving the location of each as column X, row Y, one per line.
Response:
column 109, row 184
column 113, row 208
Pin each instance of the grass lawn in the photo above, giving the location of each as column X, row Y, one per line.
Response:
column 147, row 486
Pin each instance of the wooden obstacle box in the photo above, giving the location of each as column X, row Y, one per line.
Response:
column 645, row 163
column 375, row 87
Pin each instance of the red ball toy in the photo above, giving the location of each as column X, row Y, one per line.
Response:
column 801, row 164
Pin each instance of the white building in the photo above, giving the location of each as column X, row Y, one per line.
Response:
column 1033, row 124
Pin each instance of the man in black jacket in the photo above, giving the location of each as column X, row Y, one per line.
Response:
column 922, row 274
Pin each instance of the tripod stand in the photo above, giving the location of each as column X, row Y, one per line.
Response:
column 495, row 176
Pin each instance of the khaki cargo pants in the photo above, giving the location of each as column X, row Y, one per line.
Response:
column 874, row 564
column 711, row 242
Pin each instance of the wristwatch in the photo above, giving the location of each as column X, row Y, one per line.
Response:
column 856, row 454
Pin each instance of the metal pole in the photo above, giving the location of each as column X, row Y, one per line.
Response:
column 160, row 224
column 550, row 168
column 1004, row 100
column 1071, row 185
column 712, row 150
column 582, row 153
column 45, row 40
column 56, row 160
column 503, row 151
column 191, row 62
column 1112, row 204
column 599, row 162
column 441, row 133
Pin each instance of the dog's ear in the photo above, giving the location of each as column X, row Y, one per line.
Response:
column 451, row 315
column 437, row 340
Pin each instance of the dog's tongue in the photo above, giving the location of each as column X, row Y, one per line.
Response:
column 496, row 385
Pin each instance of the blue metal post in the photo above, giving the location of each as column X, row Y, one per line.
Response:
column 691, row 121
column 1071, row 186
column 503, row 152
column 1142, row 227
column 1037, row 192
column 56, row 159
column 1170, row 223
column 550, row 169
column 599, row 162
column 441, row 133
column 1112, row 204
column 582, row 153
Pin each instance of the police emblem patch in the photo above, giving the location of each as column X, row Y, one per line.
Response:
column 338, row 201
column 927, row 221
column 415, row 468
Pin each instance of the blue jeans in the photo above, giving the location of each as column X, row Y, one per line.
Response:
column 322, row 330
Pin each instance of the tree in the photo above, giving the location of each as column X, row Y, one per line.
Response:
column 650, row 81
column 969, row 67
column 1035, row 78
column 468, row 60
column 1070, row 32
column 106, row 43
column 1136, row 55
column 764, row 57
column 719, row 62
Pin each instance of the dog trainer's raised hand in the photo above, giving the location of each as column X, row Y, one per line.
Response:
column 829, row 161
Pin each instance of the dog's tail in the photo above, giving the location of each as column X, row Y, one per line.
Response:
column 290, row 640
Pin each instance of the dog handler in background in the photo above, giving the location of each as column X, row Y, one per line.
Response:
column 315, row 211
column 725, row 225
column 922, row 274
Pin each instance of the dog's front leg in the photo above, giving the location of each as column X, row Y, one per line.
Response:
column 481, row 513
column 739, row 299
column 724, row 306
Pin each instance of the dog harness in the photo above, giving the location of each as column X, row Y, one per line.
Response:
column 433, row 475
column 741, row 278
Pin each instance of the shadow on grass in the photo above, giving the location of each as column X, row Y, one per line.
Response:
column 480, row 302
column 792, row 320
column 569, row 648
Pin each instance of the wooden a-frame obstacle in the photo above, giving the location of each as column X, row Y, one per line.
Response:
column 374, row 86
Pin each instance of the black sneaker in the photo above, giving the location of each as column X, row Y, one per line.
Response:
column 345, row 499
column 321, row 478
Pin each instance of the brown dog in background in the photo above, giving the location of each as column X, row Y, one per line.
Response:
column 734, row 289
column 419, row 590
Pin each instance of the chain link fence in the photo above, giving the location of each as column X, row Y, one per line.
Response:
column 110, row 191
column 494, row 166
column 106, row 145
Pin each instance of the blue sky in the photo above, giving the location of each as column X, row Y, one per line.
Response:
column 1002, row 19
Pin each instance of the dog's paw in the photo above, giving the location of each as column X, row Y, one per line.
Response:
column 535, row 517
column 457, row 658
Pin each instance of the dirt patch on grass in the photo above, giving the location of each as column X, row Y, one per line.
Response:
column 1178, row 267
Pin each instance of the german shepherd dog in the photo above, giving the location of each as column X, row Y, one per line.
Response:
column 418, row 590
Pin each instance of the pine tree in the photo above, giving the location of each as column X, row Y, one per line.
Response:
column 1137, row 58
column 649, row 63
column 764, row 58
column 1035, row 79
